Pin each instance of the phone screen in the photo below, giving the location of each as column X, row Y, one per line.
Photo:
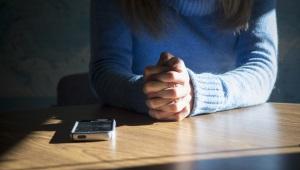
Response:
column 94, row 126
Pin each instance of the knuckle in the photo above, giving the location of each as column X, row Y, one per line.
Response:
column 176, row 101
column 176, row 59
column 180, row 61
column 175, row 108
column 171, row 75
column 149, row 103
column 147, row 70
column 152, row 114
column 171, row 85
column 174, row 93
column 156, row 115
column 164, row 55
column 145, row 88
column 148, row 87
column 153, row 103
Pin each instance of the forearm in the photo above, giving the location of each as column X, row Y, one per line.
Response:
column 110, row 73
column 246, row 86
column 119, row 89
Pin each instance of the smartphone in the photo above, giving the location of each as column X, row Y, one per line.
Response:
column 93, row 130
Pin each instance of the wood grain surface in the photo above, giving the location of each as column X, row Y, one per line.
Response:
column 39, row 139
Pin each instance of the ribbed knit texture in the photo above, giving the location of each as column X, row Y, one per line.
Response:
column 227, row 70
column 192, row 7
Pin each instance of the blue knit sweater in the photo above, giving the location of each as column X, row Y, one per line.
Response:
column 227, row 70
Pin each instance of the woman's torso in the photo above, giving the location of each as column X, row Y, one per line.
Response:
column 198, row 40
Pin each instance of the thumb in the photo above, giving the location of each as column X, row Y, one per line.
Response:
column 164, row 58
column 176, row 64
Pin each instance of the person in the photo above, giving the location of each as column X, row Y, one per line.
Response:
column 172, row 59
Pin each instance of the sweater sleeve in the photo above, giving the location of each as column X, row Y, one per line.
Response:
column 252, row 81
column 110, row 72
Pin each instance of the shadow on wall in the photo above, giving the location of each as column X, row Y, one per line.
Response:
column 42, row 41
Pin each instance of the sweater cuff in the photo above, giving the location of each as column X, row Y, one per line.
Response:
column 209, row 93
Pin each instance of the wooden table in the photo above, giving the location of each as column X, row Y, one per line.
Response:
column 260, row 137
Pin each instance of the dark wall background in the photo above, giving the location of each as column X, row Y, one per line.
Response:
column 288, row 82
column 42, row 41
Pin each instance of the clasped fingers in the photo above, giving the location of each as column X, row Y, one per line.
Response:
column 176, row 92
column 151, row 70
column 176, row 105
column 170, row 116
column 156, row 86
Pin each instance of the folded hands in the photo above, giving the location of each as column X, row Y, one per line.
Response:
column 168, row 89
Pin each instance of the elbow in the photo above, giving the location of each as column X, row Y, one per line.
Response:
column 93, row 82
column 269, row 80
column 267, row 91
column 91, row 74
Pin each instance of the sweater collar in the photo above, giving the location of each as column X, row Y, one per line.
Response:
column 192, row 7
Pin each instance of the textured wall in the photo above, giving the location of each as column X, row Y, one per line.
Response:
column 40, row 42
column 288, row 82
column 43, row 40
